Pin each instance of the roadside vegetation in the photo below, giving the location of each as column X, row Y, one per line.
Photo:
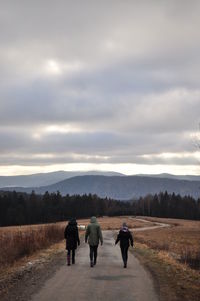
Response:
column 18, row 242
column 172, row 255
column 181, row 241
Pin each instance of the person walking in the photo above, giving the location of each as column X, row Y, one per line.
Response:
column 124, row 237
column 93, row 235
column 72, row 239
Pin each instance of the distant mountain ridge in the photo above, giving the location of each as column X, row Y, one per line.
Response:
column 118, row 187
column 170, row 176
column 42, row 179
column 49, row 178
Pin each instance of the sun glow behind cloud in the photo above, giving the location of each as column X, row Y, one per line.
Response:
column 52, row 67
column 65, row 128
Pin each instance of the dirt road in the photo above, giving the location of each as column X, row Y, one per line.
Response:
column 157, row 225
column 107, row 281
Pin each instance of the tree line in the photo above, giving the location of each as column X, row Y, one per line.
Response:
column 168, row 206
column 24, row 209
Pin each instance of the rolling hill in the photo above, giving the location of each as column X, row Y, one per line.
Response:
column 43, row 179
column 118, row 187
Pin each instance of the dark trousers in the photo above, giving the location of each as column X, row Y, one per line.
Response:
column 93, row 253
column 73, row 254
column 124, row 251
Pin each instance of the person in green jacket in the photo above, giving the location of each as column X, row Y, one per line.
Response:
column 93, row 235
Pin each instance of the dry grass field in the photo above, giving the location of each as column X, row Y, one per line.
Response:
column 171, row 254
column 181, row 241
column 115, row 223
column 20, row 241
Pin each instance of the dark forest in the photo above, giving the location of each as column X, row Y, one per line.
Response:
column 24, row 209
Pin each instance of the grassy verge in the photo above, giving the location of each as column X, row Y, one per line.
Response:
column 24, row 241
column 181, row 241
column 172, row 257
column 172, row 281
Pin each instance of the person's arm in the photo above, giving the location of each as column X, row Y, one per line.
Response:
column 100, row 235
column 87, row 233
column 77, row 235
column 118, row 238
column 131, row 238
column 65, row 233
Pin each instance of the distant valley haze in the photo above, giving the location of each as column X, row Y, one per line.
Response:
column 42, row 179
column 104, row 184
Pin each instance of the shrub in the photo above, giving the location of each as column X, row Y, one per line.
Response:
column 19, row 243
column 190, row 257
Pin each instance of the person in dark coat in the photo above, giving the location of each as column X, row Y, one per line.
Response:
column 72, row 239
column 125, row 237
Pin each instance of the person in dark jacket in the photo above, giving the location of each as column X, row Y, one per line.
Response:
column 72, row 239
column 93, row 235
column 125, row 237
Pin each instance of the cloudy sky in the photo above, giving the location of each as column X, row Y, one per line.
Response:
column 107, row 85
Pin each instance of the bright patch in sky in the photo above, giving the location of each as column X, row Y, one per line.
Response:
column 182, row 155
column 66, row 128
column 127, row 169
column 52, row 67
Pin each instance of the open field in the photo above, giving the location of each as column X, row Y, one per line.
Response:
column 115, row 223
column 19, row 241
column 172, row 255
column 181, row 241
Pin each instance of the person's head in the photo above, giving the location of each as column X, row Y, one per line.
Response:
column 73, row 221
column 93, row 219
column 124, row 227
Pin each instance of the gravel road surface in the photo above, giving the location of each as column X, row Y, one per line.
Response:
column 107, row 281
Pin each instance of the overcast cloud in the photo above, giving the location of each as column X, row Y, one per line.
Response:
column 94, row 84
